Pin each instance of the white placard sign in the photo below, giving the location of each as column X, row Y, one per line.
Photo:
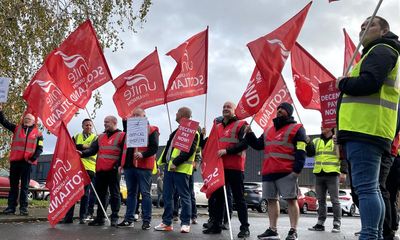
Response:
column 137, row 132
column 4, row 85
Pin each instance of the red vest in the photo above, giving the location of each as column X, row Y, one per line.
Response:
column 145, row 163
column 109, row 151
column 396, row 145
column 279, row 149
column 229, row 136
column 23, row 147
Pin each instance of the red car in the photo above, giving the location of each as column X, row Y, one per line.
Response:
column 5, row 182
column 307, row 200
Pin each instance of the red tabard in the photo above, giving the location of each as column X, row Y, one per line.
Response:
column 23, row 147
column 279, row 149
column 109, row 151
column 145, row 163
column 228, row 137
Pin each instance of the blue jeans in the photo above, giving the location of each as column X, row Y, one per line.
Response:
column 192, row 197
column 365, row 160
column 138, row 180
column 179, row 182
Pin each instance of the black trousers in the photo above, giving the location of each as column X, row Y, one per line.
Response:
column 108, row 181
column 19, row 171
column 212, row 209
column 234, row 179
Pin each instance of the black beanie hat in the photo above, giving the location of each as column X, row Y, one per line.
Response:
column 288, row 108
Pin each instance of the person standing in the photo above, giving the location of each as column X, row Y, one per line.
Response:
column 178, row 168
column 26, row 147
column 232, row 150
column 108, row 147
column 367, row 117
column 284, row 146
column 82, row 141
column 329, row 170
column 138, row 164
column 160, row 184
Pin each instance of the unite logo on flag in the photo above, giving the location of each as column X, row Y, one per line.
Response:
column 138, row 88
column 284, row 52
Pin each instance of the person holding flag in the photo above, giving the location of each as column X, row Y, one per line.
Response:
column 26, row 147
column 138, row 165
column 232, row 150
column 108, row 147
column 367, row 118
column 178, row 168
column 284, row 147
column 82, row 141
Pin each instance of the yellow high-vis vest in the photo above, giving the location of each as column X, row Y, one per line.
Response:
column 89, row 162
column 375, row 114
column 187, row 166
column 325, row 157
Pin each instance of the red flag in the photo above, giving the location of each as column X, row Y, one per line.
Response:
column 141, row 86
column 66, row 179
column 308, row 73
column 78, row 65
column 48, row 102
column 189, row 77
column 212, row 167
column 349, row 49
column 268, row 111
column 270, row 53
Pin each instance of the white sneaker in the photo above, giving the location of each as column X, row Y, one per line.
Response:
column 185, row 229
column 135, row 217
column 163, row 227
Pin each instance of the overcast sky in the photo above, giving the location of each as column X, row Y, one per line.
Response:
column 232, row 24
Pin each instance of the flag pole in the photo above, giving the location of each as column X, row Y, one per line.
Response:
column 169, row 119
column 227, row 212
column 91, row 183
column 205, row 112
column 362, row 38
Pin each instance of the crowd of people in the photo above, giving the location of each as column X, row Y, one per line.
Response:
column 365, row 149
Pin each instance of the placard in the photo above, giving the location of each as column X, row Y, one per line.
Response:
column 328, row 95
column 4, row 86
column 184, row 137
column 137, row 132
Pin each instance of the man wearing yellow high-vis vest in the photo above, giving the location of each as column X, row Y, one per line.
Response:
column 367, row 117
column 82, row 141
column 178, row 168
column 329, row 170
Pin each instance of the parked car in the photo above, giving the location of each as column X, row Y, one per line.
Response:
column 201, row 199
column 253, row 197
column 307, row 200
column 346, row 203
column 5, row 182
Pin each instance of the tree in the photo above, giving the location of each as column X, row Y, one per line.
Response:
column 30, row 29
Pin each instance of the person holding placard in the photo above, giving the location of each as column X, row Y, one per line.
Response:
column 26, row 147
column 138, row 163
column 178, row 167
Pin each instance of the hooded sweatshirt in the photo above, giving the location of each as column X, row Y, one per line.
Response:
column 373, row 72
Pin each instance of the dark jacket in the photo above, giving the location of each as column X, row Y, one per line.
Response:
column 299, row 156
column 373, row 72
column 11, row 127
column 152, row 147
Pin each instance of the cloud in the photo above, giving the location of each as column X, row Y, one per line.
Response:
column 233, row 23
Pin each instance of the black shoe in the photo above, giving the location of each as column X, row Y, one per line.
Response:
column 176, row 218
column 269, row 234
column 292, row 235
column 65, row 222
column 336, row 229
column 208, row 224
column 146, row 226
column 225, row 226
column 81, row 221
column 125, row 224
column 9, row 211
column 244, row 232
column 317, row 227
column 96, row 223
column 23, row 212
column 212, row 230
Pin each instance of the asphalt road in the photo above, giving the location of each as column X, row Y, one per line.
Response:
column 42, row 230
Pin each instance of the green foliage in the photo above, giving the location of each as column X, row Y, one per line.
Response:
column 30, row 29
